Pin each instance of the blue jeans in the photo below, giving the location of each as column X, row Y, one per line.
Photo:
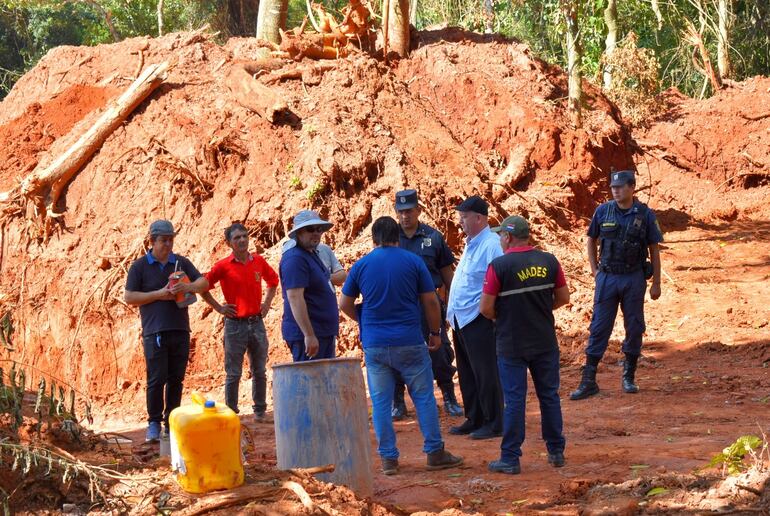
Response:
column 414, row 365
column 326, row 349
column 626, row 290
column 544, row 369
column 245, row 336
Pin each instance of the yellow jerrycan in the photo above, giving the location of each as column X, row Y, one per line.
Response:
column 205, row 446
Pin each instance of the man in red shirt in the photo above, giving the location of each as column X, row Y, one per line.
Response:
column 241, row 275
column 522, row 288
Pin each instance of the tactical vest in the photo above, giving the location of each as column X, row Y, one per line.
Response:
column 524, row 305
column 623, row 247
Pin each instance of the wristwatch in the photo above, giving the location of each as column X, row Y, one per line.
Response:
column 435, row 333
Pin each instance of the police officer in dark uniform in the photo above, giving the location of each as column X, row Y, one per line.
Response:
column 522, row 288
column 628, row 235
column 427, row 242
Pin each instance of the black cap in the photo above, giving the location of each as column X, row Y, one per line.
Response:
column 475, row 204
column 406, row 199
column 622, row 177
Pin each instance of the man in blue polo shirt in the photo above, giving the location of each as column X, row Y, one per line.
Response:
column 310, row 315
column 165, row 326
column 394, row 283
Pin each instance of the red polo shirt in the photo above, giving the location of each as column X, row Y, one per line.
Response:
column 242, row 282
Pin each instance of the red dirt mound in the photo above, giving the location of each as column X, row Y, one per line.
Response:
column 464, row 114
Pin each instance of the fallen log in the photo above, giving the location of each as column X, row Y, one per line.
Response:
column 45, row 184
column 309, row 74
column 255, row 96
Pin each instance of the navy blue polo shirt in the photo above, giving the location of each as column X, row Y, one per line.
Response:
column 431, row 246
column 625, row 218
column 304, row 269
column 147, row 274
column 391, row 281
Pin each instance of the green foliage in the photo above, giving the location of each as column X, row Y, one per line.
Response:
column 314, row 191
column 731, row 458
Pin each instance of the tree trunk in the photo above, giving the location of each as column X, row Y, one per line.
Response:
column 570, row 9
column 271, row 19
column 107, row 15
column 160, row 18
column 413, row 12
column 45, row 184
column 611, row 20
column 725, row 15
column 398, row 27
column 489, row 17
column 658, row 14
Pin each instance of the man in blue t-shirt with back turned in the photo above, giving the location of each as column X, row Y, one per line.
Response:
column 393, row 283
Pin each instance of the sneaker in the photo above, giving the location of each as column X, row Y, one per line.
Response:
column 453, row 408
column 499, row 466
column 442, row 459
column 153, row 432
column 556, row 459
column 398, row 412
column 389, row 466
column 464, row 429
column 259, row 416
column 485, row 432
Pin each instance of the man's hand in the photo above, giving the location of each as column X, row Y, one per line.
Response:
column 655, row 291
column 165, row 294
column 311, row 346
column 264, row 309
column 434, row 342
column 227, row 310
column 180, row 287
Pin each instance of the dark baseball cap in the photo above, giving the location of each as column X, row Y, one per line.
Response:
column 162, row 228
column 406, row 199
column 515, row 225
column 475, row 204
column 622, row 177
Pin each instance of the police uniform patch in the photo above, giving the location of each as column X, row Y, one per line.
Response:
column 426, row 242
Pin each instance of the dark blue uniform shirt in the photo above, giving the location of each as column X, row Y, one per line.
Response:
column 431, row 246
column 148, row 274
column 611, row 212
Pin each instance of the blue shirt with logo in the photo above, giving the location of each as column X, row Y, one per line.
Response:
column 429, row 244
column 300, row 268
column 391, row 281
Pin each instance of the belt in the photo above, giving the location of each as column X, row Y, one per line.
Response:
column 620, row 269
column 250, row 318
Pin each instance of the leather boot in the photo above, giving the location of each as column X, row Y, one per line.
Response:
column 398, row 412
column 450, row 401
column 629, row 371
column 588, row 386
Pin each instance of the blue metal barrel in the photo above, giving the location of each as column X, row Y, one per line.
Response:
column 321, row 418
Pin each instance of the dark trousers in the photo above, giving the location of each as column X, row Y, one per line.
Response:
column 627, row 291
column 244, row 336
column 326, row 349
column 477, row 369
column 166, row 354
column 440, row 360
column 544, row 369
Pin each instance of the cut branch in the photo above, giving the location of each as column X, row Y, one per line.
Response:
column 255, row 96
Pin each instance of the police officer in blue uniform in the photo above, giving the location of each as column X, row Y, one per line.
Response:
column 428, row 243
column 628, row 235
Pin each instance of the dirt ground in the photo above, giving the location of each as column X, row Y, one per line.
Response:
column 465, row 114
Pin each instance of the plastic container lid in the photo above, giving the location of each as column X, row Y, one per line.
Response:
column 210, row 404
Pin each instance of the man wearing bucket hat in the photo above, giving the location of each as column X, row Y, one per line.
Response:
column 522, row 288
column 628, row 235
column 474, row 333
column 310, row 314
column 165, row 325
column 429, row 244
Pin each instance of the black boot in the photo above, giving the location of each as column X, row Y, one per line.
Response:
column 629, row 371
column 588, row 386
column 450, row 401
column 398, row 412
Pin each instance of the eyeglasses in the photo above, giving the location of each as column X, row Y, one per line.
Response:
column 315, row 229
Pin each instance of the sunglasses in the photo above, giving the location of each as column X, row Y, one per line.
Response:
column 314, row 229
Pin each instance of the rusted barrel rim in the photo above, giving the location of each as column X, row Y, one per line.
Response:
column 319, row 361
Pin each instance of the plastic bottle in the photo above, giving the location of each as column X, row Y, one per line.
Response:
column 206, row 446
